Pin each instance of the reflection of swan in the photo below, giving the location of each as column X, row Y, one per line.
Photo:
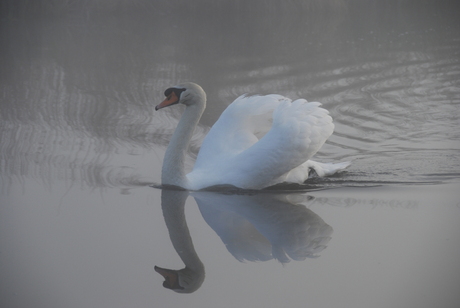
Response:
column 264, row 226
column 190, row 278
column 258, row 141
column 255, row 227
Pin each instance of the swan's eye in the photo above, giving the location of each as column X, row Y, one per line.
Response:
column 168, row 92
column 177, row 91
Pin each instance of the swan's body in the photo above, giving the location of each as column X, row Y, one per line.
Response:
column 257, row 142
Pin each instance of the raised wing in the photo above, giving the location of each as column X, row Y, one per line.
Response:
column 298, row 132
column 232, row 153
column 241, row 125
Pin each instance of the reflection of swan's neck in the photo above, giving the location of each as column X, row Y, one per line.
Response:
column 173, row 172
column 190, row 278
column 179, row 233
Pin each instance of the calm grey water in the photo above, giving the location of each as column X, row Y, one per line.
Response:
column 80, row 145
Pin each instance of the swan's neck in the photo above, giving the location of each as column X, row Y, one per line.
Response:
column 173, row 172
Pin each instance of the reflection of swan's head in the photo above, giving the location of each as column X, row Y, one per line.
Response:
column 188, row 93
column 185, row 280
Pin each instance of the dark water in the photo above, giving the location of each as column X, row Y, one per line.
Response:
column 80, row 143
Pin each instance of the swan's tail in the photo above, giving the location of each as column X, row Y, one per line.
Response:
column 302, row 172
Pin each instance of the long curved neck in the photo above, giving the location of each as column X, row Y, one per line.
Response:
column 173, row 171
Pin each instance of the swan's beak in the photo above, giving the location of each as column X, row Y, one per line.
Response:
column 171, row 99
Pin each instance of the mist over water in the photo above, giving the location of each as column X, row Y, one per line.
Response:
column 80, row 81
column 80, row 140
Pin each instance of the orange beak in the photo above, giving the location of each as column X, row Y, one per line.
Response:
column 171, row 99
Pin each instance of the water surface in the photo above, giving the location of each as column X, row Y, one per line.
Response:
column 81, row 144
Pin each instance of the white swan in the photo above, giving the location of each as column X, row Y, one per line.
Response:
column 258, row 141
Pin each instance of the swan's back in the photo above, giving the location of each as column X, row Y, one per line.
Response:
column 258, row 139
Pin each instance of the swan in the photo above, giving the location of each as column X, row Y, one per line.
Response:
column 257, row 142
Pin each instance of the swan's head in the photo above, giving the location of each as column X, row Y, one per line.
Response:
column 188, row 93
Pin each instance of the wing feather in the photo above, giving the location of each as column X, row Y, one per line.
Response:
column 240, row 126
column 259, row 139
